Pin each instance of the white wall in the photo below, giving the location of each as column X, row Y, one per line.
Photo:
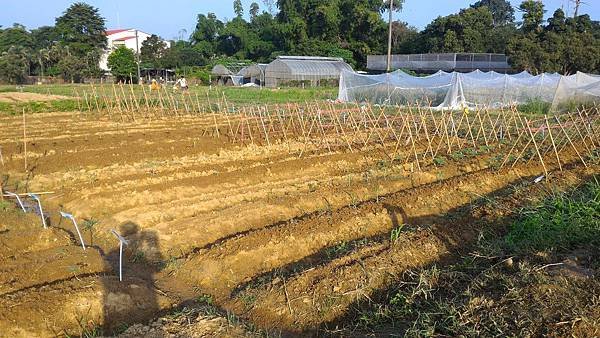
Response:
column 127, row 38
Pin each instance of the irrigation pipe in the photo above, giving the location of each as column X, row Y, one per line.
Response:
column 37, row 199
column 10, row 194
column 122, row 241
column 69, row 216
column 7, row 194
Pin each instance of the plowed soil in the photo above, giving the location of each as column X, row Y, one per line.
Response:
column 11, row 97
column 284, row 242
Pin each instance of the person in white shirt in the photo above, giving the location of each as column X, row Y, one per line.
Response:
column 182, row 83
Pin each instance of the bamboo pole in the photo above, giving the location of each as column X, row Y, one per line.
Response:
column 553, row 144
column 570, row 142
column 536, row 147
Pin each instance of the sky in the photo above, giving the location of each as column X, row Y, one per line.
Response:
column 173, row 19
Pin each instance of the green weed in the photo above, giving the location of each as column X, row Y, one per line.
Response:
column 396, row 232
column 561, row 222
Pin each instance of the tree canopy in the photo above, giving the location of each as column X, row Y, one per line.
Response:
column 122, row 64
column 350, row 29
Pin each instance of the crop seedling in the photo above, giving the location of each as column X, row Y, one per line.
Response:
column 205, row 299
column 395, row 234
column 89, row 225
column 439, row 160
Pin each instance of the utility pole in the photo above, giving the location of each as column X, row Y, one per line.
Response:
column 137, row 48
column 389, row 56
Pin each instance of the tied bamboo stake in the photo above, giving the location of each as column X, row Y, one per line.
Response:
column 536, row 147
column 552, row 139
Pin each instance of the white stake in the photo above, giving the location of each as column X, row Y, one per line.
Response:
column 35, row 197
column 18, row 200
column 122, row 241
column 69, row 216
column 539, row 179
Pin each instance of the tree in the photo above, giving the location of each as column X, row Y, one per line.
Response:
column 466, row 31
column 533, row 15
column 152, row 51
column 397, row 5
column 208, row 28
column 14, row 65
column 502, row 11
column 44, row 37
column 82, row 29
column 254, row 9
column 238, row 8
column 122, row 64
column 16, row 36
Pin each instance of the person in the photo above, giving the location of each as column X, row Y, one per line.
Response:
column 154, row 86
column 182, row 83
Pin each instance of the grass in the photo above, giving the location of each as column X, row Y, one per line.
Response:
column 535, row 107
column 16, row 108
column 560, row 223
column 504, row 286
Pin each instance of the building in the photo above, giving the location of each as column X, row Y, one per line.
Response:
column 130, row 38
column 304, row 71
column 448, row 62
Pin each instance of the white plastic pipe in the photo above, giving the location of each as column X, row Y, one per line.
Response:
column 122, row 242
column 69, row 216
column 18, row 200
column 37, row 199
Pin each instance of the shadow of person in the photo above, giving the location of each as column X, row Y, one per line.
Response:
column 133, row 300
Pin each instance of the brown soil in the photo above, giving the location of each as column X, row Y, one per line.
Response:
column 282, row 241
column 12, row 97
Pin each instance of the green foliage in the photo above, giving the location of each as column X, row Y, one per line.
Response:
column 350, row 29
column 562, row 222
column 238, row 8
column 467, row 31
column 535, row 107
column 81, row 28
column 502, row 11
column 38, row 107
column 17, row 35
column 4, row 205
column 14, row 65
column 396, row 232
column 205, row 299
column 122, row 64
column 152, row 52
column 533, row 14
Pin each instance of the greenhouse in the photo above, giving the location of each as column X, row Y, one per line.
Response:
column 304, row 71
column 458, row 90
column 254, row 74
column 226, row 75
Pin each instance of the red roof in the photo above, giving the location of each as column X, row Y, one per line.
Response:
column 125, row 38
column 115, row 31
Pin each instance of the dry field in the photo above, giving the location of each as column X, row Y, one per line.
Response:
column 284, row 230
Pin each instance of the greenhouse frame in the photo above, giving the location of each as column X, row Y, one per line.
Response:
column 227, row 75
column 304, row 71
column 254, row 74
column 459, row 90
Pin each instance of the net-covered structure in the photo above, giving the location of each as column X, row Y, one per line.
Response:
column 431, row 63
column 304, row 71
column 227, row 74
column 457, row 90
column 254, row 74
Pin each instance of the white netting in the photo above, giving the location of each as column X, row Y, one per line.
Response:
column 458, row 90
